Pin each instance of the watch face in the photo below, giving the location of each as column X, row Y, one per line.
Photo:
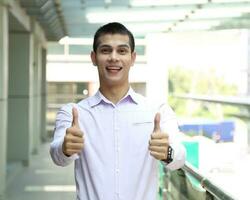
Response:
column 170, row 155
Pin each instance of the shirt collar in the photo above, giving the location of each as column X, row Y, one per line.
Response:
column 99, row 98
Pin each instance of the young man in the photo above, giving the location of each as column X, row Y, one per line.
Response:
column 116, row 136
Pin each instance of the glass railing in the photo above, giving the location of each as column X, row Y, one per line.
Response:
column 188, row 184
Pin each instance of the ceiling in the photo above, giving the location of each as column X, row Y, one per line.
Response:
column 80, row 18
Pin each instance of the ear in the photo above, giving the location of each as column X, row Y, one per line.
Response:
column 93, row 57
column 133, row 57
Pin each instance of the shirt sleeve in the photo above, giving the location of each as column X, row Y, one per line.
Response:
column 63, row 121
column 169, row 125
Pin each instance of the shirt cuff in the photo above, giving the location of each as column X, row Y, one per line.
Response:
column 179, row 157
column 58, row 156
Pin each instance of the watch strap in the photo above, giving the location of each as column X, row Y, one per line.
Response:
column 170, row 156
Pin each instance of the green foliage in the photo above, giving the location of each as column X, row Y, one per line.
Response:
column 206, row 82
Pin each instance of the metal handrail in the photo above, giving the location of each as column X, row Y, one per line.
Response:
column 211, row 188
column 207, row 184
column 230, row 100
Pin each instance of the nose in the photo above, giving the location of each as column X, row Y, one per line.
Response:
column 113, row 56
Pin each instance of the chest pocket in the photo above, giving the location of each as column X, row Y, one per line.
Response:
column 139, row 129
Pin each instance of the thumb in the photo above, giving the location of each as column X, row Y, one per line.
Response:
column 157, row 122
column 75, row 117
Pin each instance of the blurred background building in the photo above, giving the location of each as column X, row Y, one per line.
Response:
column 192, row 53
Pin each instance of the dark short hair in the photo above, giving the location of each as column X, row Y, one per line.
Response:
column 113, row 28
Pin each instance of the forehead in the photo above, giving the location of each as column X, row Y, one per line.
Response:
column 113, row 40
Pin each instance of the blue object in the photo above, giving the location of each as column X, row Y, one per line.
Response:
column 222, row 131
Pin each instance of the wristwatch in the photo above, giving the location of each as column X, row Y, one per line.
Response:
column 170, row 155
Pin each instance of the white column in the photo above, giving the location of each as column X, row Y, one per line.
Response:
column 20, row 107
column 39, row 85
column 36, row 82
column 248, row 63
column 43, row 95
column 3, row 94
column 248, row 85
column 157, row 82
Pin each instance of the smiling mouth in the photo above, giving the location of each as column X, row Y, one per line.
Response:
column 113, row 68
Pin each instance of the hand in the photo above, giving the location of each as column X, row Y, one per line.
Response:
column 158, row 144
column 73, row 140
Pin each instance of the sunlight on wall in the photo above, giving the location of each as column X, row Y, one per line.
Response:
column 50, row 188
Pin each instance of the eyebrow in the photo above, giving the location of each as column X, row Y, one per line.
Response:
column 119, row 46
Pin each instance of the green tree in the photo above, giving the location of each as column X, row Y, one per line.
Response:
column 199, row 82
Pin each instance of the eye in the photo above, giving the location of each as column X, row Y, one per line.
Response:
column 123, row 51
column 105, row 50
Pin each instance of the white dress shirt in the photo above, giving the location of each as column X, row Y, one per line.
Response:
column 115, row 163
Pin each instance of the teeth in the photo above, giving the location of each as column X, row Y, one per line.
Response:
column 113, row 68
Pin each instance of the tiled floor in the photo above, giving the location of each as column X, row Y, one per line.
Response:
column 42, row 180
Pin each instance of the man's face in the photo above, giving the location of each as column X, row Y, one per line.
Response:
column 113, row 58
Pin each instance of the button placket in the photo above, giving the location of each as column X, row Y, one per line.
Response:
column 117, row 149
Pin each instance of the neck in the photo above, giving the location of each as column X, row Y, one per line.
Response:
column 114, row 93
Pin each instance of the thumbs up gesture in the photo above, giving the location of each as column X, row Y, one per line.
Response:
column 158, row 144
column 73, row 140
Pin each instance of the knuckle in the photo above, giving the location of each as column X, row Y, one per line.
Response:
column 67, row 151
column 69, row 133
column 67, row 145
column 66, row 137
column 68, row 130
column 164, row 141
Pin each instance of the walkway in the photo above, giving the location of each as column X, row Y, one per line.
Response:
column 42, row 180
